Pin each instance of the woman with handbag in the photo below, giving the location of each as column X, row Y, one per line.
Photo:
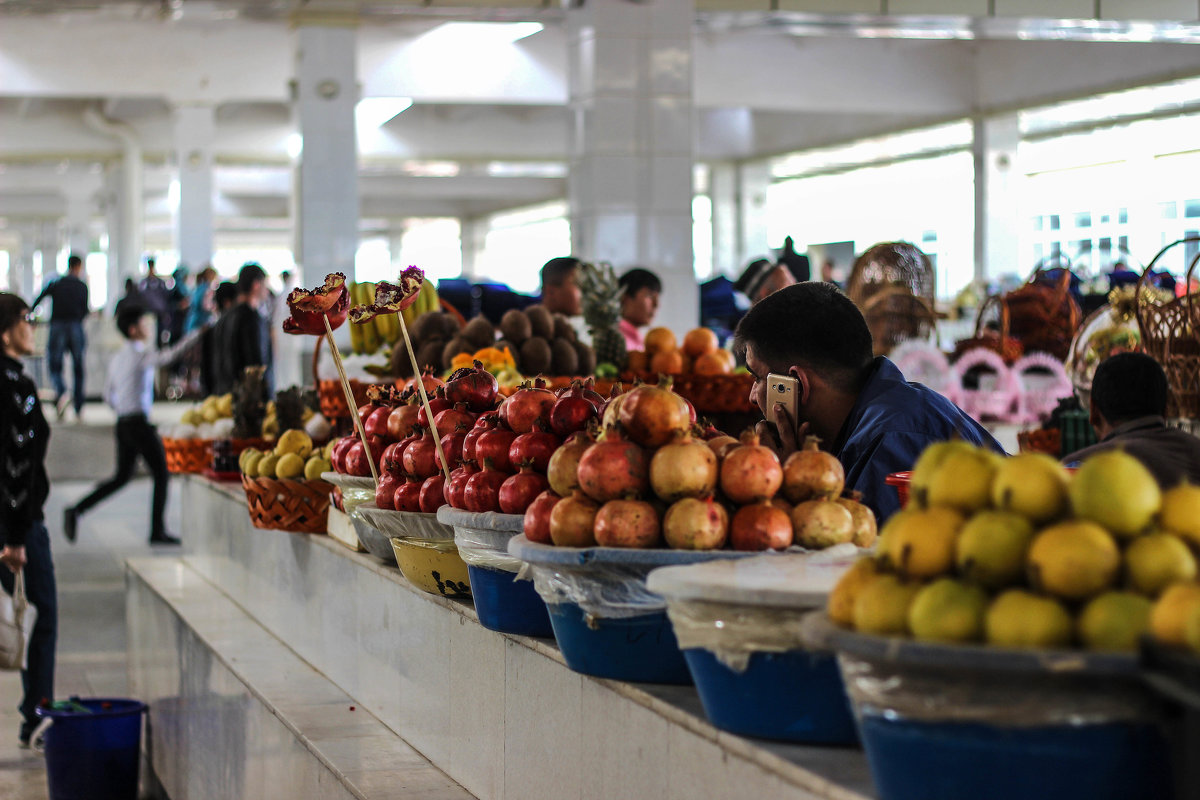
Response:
column 24, row 436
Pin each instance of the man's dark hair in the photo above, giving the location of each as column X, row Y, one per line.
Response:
column 74, row 261
column 249, row 275
column 225, row 294
column 636, row 279
column 1127, row 386
column 813, row 324
column 128, row 317
column 12, row 308
column 556, row 270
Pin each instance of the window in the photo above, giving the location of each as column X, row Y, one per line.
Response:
column 1166, row 210
column 1083, row 220
column 1123, row 216
column 1054, row 222
column 1191, row 208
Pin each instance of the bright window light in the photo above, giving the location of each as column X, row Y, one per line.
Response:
column 476, row 34
column 173, row 193
column 295, row 145
column 375, row 112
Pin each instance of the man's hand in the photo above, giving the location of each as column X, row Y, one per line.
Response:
column 13, row 557
column 784, row 437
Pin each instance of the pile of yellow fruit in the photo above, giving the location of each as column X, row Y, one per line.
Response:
column 294, row 458
column 1016, row 552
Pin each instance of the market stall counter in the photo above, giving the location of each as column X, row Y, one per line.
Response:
column 500, row 714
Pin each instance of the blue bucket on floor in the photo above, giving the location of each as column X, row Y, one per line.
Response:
column 93, row 754
column 792, row 697
column 640, row 649
column 912, row 760
column 507, row 605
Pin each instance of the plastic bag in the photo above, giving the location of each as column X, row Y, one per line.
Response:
column 486, row 548
column 603, row 591
column 734, row 633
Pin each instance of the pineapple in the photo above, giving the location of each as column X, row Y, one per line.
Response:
column 602, row 312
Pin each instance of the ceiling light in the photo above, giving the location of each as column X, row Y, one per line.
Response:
column 375, row 112
column 482, row 34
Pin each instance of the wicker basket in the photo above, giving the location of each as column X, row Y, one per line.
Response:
column 893, row 284
column 1171, row 336
column 1041, row 316
column 287, row 505
column 333, row 398
column 709, row 394
column 188, row 455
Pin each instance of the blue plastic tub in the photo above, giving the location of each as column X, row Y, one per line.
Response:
column 94, row 756
column 791, row 697
column 639, row 649
column 912, row 760
column 507, row 605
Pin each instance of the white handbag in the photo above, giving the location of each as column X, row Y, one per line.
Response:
column 16, row 620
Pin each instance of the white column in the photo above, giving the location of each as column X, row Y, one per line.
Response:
column 728, row 258
column 753, row 179
column 327, row 190
column 78, row 232
column 194, row 133
column 472, row 238
column 48, row 246
column 630, row 184
column 21, row 279
column 110, row 204
column 997, row 222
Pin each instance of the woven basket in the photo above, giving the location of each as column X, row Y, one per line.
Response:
column 1171, row 336
column 709, row 394
column 188, row 455
column 1040, row 316
column 286, row 505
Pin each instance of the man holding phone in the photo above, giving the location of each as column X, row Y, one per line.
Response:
column 810, row 352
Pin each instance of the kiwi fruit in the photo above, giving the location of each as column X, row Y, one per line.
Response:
column 540, row 322
column 535, row 356
column 425, row 327
column 454, row 347
column 563, row 358
column 563, row 330
column 449, row 324
column 586, row 357
column 479, row 332
column 399, row 364
column 429, row 354
column 514, row 326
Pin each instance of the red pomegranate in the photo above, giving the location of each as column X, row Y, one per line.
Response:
column 696, row 524
column 483, row 424
column 430, row 381
column 610, row 414
column 377, row 423
column 760, row 526
column 572, row 413
column 449, row 419
column 518, row 491
column 338, row 454
column 684, row 468
column 494, row 445
column 408, row 495
column 526, row 406
column 366, row 410
column 453, row 490
column 652, row 415
column 356, row 461
column 627, row 523
column 595, row 398
column 613, row 468
column 563, row 469
column 536, row 446
column 750, row 472
column 482, row 492
column 452, row 446
column 536, row 525
column 720, row 444
column 437, row 404
column 420, row 456
column 386, row 488
column 401, row 420
column 389, row 462
column 432, row 498
column 572, row 521
column 810, row 474
column 474, row 386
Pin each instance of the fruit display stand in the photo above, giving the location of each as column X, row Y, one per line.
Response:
column 187, row 455
column 424, row 548
column 503, row 602
column 953, row 721
column 1174, row 675
column 607, row 623
column 373, row 540
column 288, row 505
column 740, row 625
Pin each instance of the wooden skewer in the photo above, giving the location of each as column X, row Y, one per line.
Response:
column 358, row 426
column 437, row 441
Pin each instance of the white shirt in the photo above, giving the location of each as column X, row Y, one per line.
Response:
column 130, row 385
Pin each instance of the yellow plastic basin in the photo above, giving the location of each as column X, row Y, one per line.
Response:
column 433, row 566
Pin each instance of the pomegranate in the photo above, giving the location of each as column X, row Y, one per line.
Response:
column 376, row 423
column 591, row 395
column 866, row 529
column 408, row 495
column 537, row 446
column 782, row 504
column 652, row 415
column 721, row 444
column 691, row 410
column 572, row 413
column 614, row 467
column 376, row 447
column 401, row 420
column 750, row 472
column 536, row 525
column 338, row 454
column 389, row 462
column 449, row 419
column 432, row 497
column 482, row 492
column 453, row 490
column 695, row 523
column 684, row 468
column 610, row 414
column 760, row 526
column 474, row 386
column 822, row 523
column 563, row 469
column 356, row 461
column 452, row 446
column 420, row 456
column 572, row 521
column 430, row 381
column 494, row 445
column 386, row 488
column 366, row 410
column 526, row 406
column 437, row 404
column 627, row 523
column 518, row 491
column 810, row 474
column 483, row 424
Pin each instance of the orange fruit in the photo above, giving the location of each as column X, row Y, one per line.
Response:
column 659, row 339
column 699, row 341
column 639, row 361
column 669, row 362
column 712, row 364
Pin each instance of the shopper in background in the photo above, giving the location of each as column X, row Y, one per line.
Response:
column 130, row 298
column 560, row 286
column 762, row 277
column 224, row 298
column 639, row 303
column 179, row 300
column 155, row 297
column 69, row 294
column 1129, row 408
column 241, row 337
column 202, row 305
column 130, row 392
column 861, row 407
column 796, row 263
column 24, row 436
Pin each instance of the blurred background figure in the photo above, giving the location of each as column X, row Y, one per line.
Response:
column 241, row 338
column 796, row 263
column 829, row 272
column 69, row 296
column 155, row 298
column 639, row 303
column 763, row 277
column 560, row 287
column 131, row 297
column 202, row 307
column 224, row 298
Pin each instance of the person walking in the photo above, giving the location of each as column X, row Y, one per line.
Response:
column 130, row 391
column 24, row 436
column 69, row 294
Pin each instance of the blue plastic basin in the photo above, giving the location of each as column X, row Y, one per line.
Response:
column 792, row 697
column 94, row 755
column 912, row 760
column 507, row 605
column 639, row 649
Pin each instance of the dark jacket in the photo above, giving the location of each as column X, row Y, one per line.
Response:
column 70, row 296
column 1170, row 454
column 240, row 339
column 24, row 436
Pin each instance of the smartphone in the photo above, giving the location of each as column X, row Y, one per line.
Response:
column 782, row 389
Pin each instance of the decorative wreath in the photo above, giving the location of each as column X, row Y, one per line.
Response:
column 922, row 362
column 1036, row 399
column 997, row 402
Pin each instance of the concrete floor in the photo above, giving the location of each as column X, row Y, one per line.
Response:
column 91, row 598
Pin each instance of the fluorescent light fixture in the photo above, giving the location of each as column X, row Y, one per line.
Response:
column 482, row 34
column 375, row 112
column 294, row 145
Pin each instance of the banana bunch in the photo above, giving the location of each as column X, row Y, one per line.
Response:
column 366, row 339
column 427, row 300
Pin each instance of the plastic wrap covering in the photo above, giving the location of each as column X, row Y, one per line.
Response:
column 734, row 633
column 482, row 537
column 603, row 591
column 353, row 498
column 406, row 524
